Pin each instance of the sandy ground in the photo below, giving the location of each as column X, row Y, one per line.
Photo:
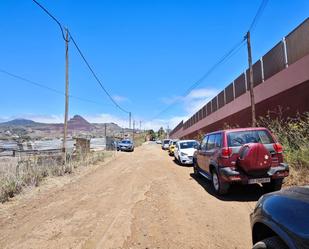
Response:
column 138, row 200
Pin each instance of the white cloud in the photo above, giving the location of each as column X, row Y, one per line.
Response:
column 202, row 93
column 107, row 118
column 165, row 123
column 119, row 98
column 35, row 117
column 191, row 103
column 195, row 100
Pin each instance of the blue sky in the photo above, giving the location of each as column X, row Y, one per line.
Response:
column 147, row 53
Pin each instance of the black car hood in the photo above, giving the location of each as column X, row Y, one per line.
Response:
column 289, row 209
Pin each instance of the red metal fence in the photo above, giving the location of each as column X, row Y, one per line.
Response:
column 292, row 48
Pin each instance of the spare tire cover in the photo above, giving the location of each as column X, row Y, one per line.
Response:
column 254, row 157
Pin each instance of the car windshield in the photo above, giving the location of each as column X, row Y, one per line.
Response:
column 126, row 142
column 187, row 145
column 166, row 141
column 239, row 138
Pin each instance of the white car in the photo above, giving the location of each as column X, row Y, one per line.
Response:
column 165, row 144
column 184, row 151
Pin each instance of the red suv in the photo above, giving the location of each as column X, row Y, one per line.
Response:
column 245, row 156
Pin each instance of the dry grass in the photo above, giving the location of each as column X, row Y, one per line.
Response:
column 17, row 173
column 293, row 134
column 139, row 139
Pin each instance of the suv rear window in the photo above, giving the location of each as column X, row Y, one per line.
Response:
column 238, row 138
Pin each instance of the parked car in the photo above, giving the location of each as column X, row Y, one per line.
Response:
column 125, row 145
column 165, row 144
column 171, row 147
column 159, row 141
column 184, row 151
column 245, row 156
column 280, row 220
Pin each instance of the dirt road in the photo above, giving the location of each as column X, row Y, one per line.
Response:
column 140, row 200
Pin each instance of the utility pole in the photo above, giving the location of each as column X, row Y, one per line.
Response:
column 105, row 129
column 133, row 130
column 66, row 112
column 253, row 115
column 140, row 126
column 129, row 120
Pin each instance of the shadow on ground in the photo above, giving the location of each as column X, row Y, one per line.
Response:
column 236, row 193
column 182, row 165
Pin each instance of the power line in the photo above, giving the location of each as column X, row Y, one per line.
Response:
column 51, row 16
column 95, row 76
column 47, row 87
column 82, row 55
column 224, row 58
column 258, row 15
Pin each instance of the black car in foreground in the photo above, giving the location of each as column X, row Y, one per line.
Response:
column 281, row 220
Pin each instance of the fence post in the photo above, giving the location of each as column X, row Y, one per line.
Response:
column 246, row 82
column 285, row 52
column 233, row 90
column 262, row 69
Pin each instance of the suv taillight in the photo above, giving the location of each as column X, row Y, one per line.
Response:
column 226, row 152
column 278, row 148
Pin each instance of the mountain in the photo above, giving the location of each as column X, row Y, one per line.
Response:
column 79, row 123
column 19, row 122
column 76, row 125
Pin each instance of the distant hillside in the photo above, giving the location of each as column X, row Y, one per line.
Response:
column 79, row 123
column 111, row 126
column 76, row 125
column 19, row 122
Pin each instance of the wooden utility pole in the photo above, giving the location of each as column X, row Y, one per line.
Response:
column 105, row 129
column 65, row 128
column 133, row 130
column 253, row 115
column 129, row 120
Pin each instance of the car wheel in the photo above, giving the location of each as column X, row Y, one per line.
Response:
column 219, row 187
column 195, row 168
column 270, row 243
column 274, row 185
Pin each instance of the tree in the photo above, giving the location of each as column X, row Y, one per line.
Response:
column 161, row 133
column 152, row 134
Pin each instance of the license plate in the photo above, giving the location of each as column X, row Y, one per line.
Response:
column 259, row 180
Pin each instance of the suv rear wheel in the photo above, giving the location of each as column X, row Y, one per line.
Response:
column 274, row 185
column 220, row 187
column 195, row 168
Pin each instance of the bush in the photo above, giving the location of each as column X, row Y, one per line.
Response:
column 293, row 134
column 9, row 187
